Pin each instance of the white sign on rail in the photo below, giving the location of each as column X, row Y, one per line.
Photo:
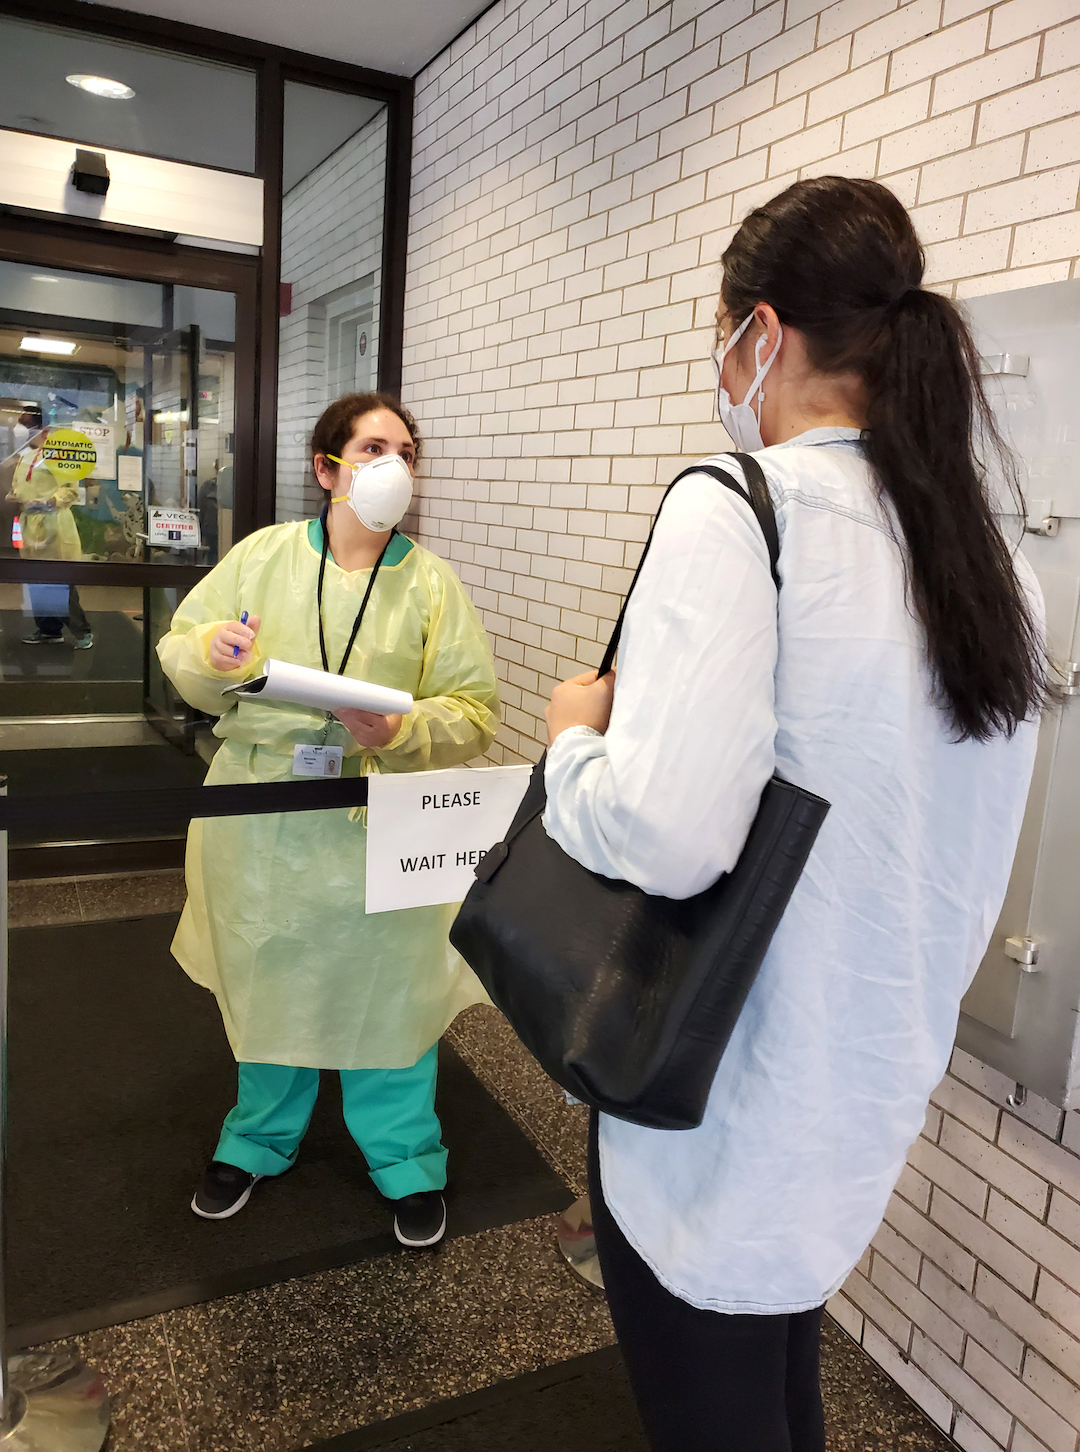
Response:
column 427, row 830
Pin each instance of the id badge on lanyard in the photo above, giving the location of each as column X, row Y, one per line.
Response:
column 317, row 760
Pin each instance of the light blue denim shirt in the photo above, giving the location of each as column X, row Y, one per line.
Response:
column 768, row 1205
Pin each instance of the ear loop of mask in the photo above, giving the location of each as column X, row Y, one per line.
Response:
column 758, row 385
column 756, row 388
column 340, row 498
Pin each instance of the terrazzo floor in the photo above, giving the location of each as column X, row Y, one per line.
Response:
column 291, row 1365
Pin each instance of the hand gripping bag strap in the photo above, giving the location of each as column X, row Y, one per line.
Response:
column 755, row 493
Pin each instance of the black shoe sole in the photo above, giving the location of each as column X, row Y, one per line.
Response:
column 420, row 1244
column 232, row 1209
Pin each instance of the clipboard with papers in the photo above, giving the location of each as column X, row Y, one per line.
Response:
column 302, row 686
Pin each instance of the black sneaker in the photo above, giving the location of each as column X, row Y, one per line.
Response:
column 223, row 1190
column 40, row 638
column 420, row 1219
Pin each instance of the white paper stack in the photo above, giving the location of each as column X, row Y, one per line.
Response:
column 281, row 681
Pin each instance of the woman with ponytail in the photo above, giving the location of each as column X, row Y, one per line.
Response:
column 899, row 673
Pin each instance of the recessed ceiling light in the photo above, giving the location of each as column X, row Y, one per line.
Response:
column 48, row 345
column 102, row 86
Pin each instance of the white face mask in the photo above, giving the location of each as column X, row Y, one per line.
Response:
column 380, row 493
column 740, row 420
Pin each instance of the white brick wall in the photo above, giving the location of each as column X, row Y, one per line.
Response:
column 969, row 1289
column 331, row 235
column 579, row 167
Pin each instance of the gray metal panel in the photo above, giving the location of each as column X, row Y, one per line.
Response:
column 1026, row 1024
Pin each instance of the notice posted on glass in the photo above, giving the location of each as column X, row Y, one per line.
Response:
column 428, row 830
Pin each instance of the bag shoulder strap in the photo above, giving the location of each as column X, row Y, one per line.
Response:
column 755, row 493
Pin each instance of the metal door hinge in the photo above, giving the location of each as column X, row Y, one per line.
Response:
column 1041, row 519
column 1070, row 672
column 1024, row 951
column 1005, row 365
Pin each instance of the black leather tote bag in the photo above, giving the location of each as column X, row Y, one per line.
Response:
column 627, row 999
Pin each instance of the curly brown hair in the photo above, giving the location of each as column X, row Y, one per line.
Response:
column 336, row 424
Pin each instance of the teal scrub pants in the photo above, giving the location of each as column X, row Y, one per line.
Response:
column 390, row 1113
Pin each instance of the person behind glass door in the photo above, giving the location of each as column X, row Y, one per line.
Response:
column 275, row 922
column 899, row 673
column 49, row 532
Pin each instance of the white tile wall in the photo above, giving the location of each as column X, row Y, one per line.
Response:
column 580, row 165
column 579, row 168
column 987, row 1307
column 331, row 235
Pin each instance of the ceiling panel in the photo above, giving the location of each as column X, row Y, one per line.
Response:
column 400, row 37
column 183, row 108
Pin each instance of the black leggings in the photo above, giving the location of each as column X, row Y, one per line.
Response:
column 705, row 1381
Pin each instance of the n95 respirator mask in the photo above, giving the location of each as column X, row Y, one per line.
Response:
column 380, row 493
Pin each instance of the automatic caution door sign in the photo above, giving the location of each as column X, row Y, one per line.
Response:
column 69, row 455
column 427, row 830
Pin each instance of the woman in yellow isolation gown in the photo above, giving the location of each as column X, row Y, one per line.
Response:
column 275, row 924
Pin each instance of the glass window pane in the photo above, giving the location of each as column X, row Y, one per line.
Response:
column 331, row 257
column 117, row 412
column 83, row 703
column 182, row 109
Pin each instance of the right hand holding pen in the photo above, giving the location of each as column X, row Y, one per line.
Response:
column 230, row 636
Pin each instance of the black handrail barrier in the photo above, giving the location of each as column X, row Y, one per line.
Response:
column 170, row 809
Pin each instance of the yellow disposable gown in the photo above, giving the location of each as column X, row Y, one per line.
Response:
column 275, row 923
column 49, row 531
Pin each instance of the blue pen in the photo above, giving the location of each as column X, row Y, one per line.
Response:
column 243, row 621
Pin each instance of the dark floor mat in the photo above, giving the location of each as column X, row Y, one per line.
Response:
column 120, row 1076
column 117, row 653
column 49, row 680
column 65, row 770
column 583, row 1405
column 68, row 770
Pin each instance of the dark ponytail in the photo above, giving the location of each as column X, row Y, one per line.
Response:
column 839, row 261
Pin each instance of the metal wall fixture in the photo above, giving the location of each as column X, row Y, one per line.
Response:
column 1024, row 951
column 1019, row 1014
column 1005, row 365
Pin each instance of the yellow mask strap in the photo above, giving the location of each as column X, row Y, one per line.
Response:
column 340, row 499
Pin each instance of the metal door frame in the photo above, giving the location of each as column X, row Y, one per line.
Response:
column 75, row 249
column 273, row 66
column 71, row 248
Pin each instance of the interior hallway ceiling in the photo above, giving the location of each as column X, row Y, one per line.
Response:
column 400, row 37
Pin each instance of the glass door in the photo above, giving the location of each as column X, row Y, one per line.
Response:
column 119, row 466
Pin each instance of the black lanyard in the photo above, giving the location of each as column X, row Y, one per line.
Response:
column 363, row 604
